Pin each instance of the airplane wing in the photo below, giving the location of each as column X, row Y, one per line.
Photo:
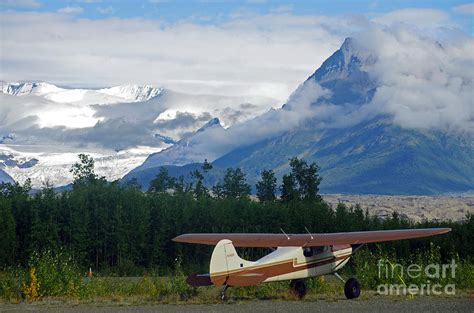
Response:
column 309, row 240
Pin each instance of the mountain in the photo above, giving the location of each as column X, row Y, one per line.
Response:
column 125, row 93
column 44, row 127
column 183, row 151
column 5, row 178
column 334, row 119
column 374, row 157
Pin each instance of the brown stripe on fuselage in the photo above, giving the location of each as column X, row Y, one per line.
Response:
column 239, row 277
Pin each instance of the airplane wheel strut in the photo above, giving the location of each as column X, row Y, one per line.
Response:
column 223, row 295
column 298, row 288
column 352, row 288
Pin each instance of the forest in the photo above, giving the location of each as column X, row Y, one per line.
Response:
column 117, row 229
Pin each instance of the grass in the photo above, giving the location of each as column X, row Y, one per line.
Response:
column 54, row 277
column 165, row 290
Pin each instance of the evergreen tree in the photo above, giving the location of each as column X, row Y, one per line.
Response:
column 235, row 184
column 163, row 182
column 302, row 183
column 288, row 188
column 84, row 169
column 7, row 233
column 266, row 187
column 44, row 223
column 218, row 191
column 21, row 205
column 200, row 189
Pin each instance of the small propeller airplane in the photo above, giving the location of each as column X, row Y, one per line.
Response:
column 297, row 256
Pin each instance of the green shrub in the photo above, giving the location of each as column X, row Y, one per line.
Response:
column 56, row 273
column 11, row 283
column 178, row 285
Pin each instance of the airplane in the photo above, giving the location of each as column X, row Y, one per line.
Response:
column 295, row 256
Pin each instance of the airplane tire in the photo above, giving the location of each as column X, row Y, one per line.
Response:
column 298, row 288
column 352, row 288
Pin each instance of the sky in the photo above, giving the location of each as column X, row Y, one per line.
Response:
column 419, row 56
column 211, row 11
column 255, row 47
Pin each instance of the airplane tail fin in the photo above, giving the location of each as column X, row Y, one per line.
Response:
column 225, row 262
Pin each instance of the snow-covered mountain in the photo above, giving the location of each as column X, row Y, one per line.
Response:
column 184, row 152
column 117, row 94
column 43, row 127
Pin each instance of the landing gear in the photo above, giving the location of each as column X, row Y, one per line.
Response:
column 298, row 288
column 352, row 288
column 223, row 295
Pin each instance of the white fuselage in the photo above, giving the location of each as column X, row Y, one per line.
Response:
column 322, row 263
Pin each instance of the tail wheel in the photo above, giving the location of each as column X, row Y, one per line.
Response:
column 352, row 288
column 298, row 288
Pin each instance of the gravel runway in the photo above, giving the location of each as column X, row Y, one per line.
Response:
column 422, row 304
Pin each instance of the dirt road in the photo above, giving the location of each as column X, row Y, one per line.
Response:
column 385, row 305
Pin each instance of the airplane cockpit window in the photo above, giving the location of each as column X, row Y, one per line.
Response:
column 308, row 252
column 311, row 251
column 317, row 250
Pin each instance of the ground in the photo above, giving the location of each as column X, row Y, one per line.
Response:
column 373, row 304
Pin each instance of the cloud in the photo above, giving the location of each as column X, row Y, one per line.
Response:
column 105, row 10
column 282, row 9
column 37, row 119
column 21, row 3
column 215, row 142
column 467, row 8
column 419, row 18
column 423, row 82
column 424, row 72
column 182, row 124
column 267, row 55
column 420, row 82
column 71, row 10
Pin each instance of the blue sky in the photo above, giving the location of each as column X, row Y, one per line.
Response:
column 215, row 11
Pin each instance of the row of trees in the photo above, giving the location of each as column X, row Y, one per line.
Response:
column 113, row 225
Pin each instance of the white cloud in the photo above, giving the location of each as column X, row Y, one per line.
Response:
column 419, row 18
column 71, row 10
column 423, row 82
column 105, row 10
column 250, row 54
column 282, row 9
column 467, row 8
column 425, row 65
